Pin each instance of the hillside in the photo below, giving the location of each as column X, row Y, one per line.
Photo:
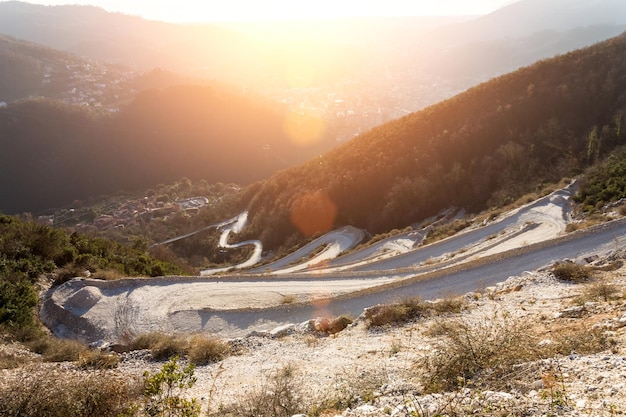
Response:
column 27, row 69
column 55, row 153
column 481, row 148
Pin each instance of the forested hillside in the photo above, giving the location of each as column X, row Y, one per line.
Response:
column 482, row 148
column 54, row 153
column 24, row 67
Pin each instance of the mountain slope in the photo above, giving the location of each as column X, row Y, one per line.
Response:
column 481, row 148
column 28, row 69
column 526, row 17
column 54, row 153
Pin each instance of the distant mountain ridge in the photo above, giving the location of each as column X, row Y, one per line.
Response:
column 232, row 56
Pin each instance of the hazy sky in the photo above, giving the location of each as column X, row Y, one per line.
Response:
column 237, row 10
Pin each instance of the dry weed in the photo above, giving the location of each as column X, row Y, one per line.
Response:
column 61, row 393
column 571, row 272
column 204, row 350
column 480, row 352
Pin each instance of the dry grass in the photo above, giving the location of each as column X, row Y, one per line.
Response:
column 58, row 350
column 599, row 291
column 286, row 391
column 107, row 275
column 571, row 272
column 579, row 339
column 412, row 309
column 288, row 299
column 446, row 230
column 204, row 350
column 162, row 346
column 496, row 352
column 12, row 359
column 199, row 349
column 96, row 359
column 57, row 393
column 478, row 353
column 587, row 222
column 281, row 394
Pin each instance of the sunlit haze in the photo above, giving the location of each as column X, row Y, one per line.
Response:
column 251, row 10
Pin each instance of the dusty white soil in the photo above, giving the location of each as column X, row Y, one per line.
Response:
column 378, row 368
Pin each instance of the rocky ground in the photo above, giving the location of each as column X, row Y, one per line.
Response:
column 381, row 371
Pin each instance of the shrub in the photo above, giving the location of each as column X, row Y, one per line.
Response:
column 65, row 393
column 57, row 350
column 162, row 346
column 163, row 391
column 411, row 309
column 571, row 272
column 479, row 353
column 204, row 350
column 97, row 359
column 17, row 301
column 281, row 395
column 599, row 291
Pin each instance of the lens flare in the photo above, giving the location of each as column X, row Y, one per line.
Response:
column 313, row 213
column 304, row 127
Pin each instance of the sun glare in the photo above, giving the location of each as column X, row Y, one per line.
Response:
column 268, row 10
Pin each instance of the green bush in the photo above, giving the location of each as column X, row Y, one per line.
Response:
column 17, row 301
column 28, row 250
column 604, row 183
column 163, row 391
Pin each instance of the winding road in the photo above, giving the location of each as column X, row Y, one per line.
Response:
column 294, row 289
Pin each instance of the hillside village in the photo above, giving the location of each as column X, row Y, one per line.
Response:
column 125, row 212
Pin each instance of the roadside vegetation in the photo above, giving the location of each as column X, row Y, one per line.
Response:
column 412, row 309
column 604, row 183
column 32, row 255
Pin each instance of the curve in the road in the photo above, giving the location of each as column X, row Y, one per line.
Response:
column 456, row 281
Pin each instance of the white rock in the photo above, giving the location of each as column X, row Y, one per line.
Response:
column 366, row 408
column 282, row 331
